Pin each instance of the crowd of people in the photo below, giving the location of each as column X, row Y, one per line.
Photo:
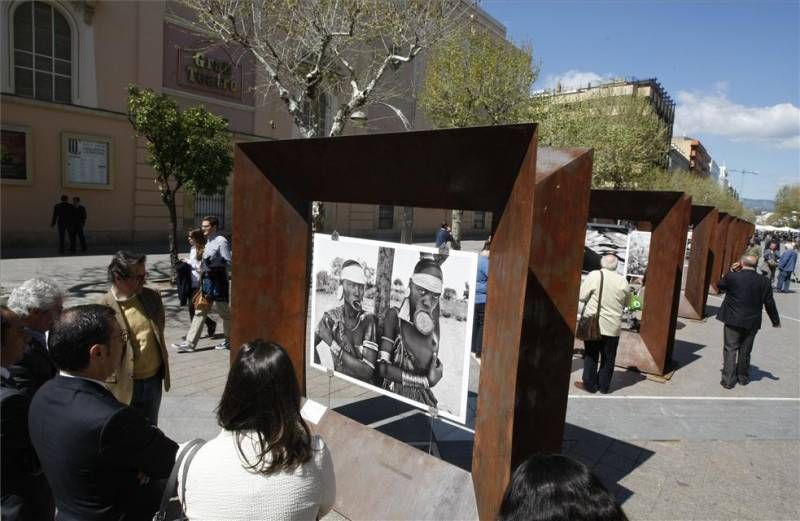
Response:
column 81, row 393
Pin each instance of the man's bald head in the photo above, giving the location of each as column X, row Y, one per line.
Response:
column 749, row 261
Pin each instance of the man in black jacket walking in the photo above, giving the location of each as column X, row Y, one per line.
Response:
column 64, row 217
column 745, row 293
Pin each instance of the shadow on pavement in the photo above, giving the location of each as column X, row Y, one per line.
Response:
column 684, row 353
column 756, row 374
column 609, row 458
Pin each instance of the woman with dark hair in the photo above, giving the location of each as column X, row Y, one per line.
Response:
column 197, row 243
column 265, row 464
column 557, row 488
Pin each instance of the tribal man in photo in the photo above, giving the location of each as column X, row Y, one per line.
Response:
column 348, row 330
column 408, row 362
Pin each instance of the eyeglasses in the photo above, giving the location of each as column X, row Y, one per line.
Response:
column 124, row 336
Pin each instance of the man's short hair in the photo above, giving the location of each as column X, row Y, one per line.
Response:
column 609, row 261
column 212, row 220
column 122, row 263
column 76, row 199
column 34, row 294
column 78, row 329
column 751, row 261
column 64, row 198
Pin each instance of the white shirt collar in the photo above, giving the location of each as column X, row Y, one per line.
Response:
column 99, row 382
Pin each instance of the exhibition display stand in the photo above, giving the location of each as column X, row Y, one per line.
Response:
column 668, row 214
column 701, row 261
column 539, row 205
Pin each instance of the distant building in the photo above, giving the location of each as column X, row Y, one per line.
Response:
column 687, row 153
column 663, row 106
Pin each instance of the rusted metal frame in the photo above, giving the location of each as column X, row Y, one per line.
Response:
column 543, row 328
column 718, row 244
column 275, row 183
column 668, row 212
column 698, row 274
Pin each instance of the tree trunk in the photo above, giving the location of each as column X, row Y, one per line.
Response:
column 407, row 226
column 169, row 200
column 456, row 228
column 383, row 283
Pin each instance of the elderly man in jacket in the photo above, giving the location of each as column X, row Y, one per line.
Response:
column 615, row 292
column 786, row 265
column 745, row 293
column 140, row 313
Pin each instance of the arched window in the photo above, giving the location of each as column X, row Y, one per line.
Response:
column 42, row 53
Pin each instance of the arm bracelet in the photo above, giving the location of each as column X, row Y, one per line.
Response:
column 383, row 356
column 412, row 380
column 370, row 345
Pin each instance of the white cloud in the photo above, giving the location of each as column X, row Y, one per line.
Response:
column 574, row 79
column 700, row 113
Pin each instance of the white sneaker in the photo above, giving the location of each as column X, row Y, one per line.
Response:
column 226, row 344
column 183, row 347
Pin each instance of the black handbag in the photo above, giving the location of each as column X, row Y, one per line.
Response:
column 588, row 327
column 171, row 503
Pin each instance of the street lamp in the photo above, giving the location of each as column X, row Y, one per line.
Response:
column 361, row 116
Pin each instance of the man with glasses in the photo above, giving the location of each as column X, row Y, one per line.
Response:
column 140, row 315
column 102, row 459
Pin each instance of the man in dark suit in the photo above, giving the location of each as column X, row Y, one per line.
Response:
column 64, row 217
column 78, row 222
column 24, row 493
column 95, row 451
column 746, row 292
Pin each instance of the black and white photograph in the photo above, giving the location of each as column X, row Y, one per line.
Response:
column 602, row 239
column 638, row 254
column 395, row 318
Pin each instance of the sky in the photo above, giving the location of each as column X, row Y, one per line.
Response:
column 732, row 67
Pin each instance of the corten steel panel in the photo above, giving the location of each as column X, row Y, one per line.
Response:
column 718, row 244
column 491, row 168
column 548, row 215
column 739, row 232
column 270, row 267
column 698, row 275
column 668, row 212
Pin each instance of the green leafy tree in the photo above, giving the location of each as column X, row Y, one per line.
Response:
column 704, row 191
column 787, row 206
column 187, row 149
column 476, row 78
column 628, row 138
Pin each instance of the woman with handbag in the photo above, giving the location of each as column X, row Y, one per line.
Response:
column 265, row 463
column 604, row 293
column 197, row 241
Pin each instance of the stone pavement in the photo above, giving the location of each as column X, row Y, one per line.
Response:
column 682, row 449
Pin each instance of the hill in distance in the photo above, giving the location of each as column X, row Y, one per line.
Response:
column 759, row 205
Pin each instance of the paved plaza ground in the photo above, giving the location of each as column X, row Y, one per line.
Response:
column 682, row 449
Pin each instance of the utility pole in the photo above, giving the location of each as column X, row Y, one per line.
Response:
column 741, row 178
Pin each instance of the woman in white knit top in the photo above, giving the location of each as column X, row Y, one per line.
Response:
column 265, row 464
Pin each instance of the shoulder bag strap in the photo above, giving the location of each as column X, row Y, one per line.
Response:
column 196, row 447
column 600, row 297
column 172, row 481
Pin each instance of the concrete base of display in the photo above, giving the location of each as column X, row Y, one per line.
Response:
column 379, row 477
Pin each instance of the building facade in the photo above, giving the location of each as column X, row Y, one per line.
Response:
column 66, row 66
column 687, row 153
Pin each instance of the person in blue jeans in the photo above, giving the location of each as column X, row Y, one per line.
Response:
column 786, row 266
column 481, row 285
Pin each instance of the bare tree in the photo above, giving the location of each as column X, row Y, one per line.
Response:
column 343, row 48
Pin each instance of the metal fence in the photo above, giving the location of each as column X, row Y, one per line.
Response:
column 209, row 205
